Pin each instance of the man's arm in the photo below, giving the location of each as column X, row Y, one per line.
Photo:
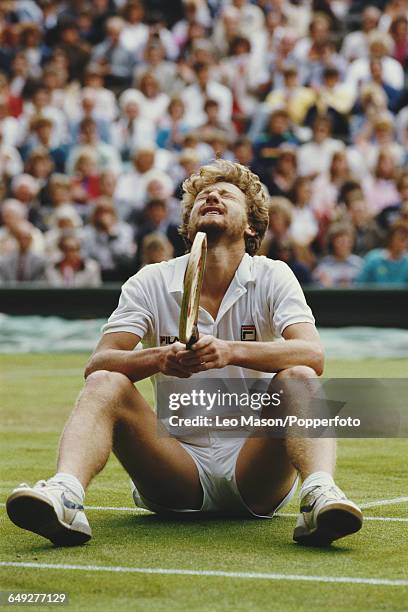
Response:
column 301, row 347
column 115, row 353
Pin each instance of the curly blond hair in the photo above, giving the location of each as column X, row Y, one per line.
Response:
column 222, row 170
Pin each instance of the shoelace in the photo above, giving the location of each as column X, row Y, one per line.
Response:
column 54, row 485
column 329, row 489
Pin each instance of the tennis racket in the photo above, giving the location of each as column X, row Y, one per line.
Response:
column 193, row 280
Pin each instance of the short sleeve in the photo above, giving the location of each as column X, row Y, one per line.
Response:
column 134, row 313
column 286, row 299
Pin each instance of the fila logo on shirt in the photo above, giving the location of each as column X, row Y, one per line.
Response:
column 164, row 340
column 248, row 332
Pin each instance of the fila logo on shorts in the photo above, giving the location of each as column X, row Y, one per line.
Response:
column 248, row 332
column 164, row 340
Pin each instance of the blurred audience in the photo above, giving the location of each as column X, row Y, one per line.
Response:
column 106, row 107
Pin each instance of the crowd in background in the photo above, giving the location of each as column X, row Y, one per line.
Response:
column 107, row 106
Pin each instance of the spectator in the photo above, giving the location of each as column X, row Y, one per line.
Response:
column 286, row 252
column 130, row 192
column 269, row 144
column 243, row 75
column 195, row 95
column 304, row 227
column 87, row 103
column 156, row 220
column 64, row 220
column 40, row 134
column 13, row 213
column 389, row 265
column 9, row 127
column 355, row 44
column 155, row 100
column 333, row 99
column 114, row 60
column 72, row 269
column 391, row 213
column 76, row 51
column 25, row 188
column 213, row 123
column 243, row 151
column 281, row 178
column 173, row 127
column 380, row 189
column 105, row 101
column 23, row 264
column 155, row 63
column 280, row 219
column 85, row 181
column 295, row 98
column 106, row 155
column 132, row 130
column 380, row 135
column 327, row 186
column 399, row 34
column 307, row 49
column 367, row 233
column 39, row 165
column 107, row 183
column 380, row 47
column 109, row 242
column 156, row 248
column 134, row 35
column 340, row 268
column 10, row 160
column 40, row 106
column 314, row 157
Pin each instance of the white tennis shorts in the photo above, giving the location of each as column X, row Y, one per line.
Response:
column 216, row 467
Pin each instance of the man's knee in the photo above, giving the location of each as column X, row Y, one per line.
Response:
column 114, row 387
column 297, row 373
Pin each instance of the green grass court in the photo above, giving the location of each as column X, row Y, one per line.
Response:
column 267, row 571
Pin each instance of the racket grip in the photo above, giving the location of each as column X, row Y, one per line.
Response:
column 194, row 337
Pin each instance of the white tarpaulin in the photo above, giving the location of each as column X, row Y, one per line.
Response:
column 52, row 334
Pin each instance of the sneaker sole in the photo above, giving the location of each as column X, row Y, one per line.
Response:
column 337, row 521
column 34, row 513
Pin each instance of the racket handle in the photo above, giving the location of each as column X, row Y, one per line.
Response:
column 194, row 337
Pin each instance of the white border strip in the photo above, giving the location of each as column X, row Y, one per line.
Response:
column 136, row 510
column 207, row 573
column 384, row 502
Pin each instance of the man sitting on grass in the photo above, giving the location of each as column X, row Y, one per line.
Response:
column 248, row 476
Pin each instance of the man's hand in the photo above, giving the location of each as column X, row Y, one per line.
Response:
column 207, row 354
column 170, row 364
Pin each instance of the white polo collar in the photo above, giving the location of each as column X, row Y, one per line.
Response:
column 243, row 275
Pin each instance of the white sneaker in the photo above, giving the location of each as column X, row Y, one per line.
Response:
column 50, row 509
column 326, row 515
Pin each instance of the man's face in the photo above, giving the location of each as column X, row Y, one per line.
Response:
column 219, row 209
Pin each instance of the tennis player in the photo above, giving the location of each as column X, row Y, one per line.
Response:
column 247, row 302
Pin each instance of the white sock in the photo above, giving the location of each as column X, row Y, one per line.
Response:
column 315, row 479
column 72, row 483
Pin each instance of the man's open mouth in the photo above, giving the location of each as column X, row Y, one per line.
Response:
column 211, row 210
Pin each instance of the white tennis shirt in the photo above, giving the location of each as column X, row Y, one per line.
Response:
column 263, row 298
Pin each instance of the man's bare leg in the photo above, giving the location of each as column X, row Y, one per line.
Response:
column 267, row 467
column 110, row 414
